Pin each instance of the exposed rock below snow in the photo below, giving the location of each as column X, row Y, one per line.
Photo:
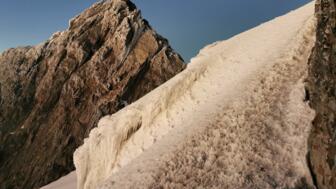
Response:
column 322, row 88
column 53, row 94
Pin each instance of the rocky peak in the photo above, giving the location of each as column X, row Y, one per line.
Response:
column 53, row 94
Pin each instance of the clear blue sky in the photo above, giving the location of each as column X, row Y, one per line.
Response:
column 188, row 24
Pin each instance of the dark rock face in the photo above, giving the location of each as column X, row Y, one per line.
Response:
column 53, row 94
column 322, row 92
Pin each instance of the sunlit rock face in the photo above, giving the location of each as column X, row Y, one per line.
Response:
column 322, row 92
column 53, row 94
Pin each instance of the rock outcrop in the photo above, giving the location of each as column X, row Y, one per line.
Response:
column 322, row 93
column 53, row 94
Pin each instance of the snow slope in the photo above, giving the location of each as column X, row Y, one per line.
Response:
column 66, row 182
column 234, row 118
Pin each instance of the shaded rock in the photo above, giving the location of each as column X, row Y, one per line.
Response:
column 53, row 94
column 322, row 93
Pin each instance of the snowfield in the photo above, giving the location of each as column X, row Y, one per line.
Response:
column 235, row 118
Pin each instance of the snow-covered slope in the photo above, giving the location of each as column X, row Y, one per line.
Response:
column 235, row 117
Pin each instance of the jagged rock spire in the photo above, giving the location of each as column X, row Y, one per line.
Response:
column 53, row 94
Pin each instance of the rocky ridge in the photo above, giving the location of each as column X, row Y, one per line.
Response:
column 53, row 94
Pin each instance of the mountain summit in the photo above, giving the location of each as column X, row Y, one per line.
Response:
column 53, row 94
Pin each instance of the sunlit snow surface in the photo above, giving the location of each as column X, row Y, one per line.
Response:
column 235, row 118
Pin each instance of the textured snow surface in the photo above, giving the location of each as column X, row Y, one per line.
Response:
column 235, row 118
column 67, row 182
